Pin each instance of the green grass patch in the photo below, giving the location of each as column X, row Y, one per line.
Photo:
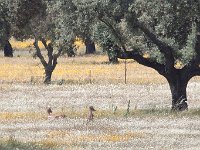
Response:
column 13, row 144
column 120, row 113
column 164, row 112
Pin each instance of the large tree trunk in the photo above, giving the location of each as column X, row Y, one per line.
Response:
column 178, row 87
column 48, row 74
column 90, row 46
column 8, row 50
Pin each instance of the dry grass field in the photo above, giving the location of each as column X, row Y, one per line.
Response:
column 24, row 124
column 76, row 70
column 150, row 124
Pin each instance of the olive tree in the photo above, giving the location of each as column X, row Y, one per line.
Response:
column 168, row 31
column 34, row 21
column 70, row 24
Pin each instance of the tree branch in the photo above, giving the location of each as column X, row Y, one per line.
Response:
column 141, row 60
column 49, row 49
column 50, row 53
column 194, row 72
column 38, row 53
column 162, row 46
column 55, row 57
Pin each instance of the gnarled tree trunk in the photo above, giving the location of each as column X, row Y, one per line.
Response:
column 8, row 50
column 48, row 74
column 178, row 88
column 90, row 46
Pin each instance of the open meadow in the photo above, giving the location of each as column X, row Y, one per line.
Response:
column 89, row 80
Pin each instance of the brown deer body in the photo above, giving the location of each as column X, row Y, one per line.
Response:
column 90, row 116
column 50, row 116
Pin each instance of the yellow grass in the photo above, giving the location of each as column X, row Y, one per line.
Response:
column 57, row 138
column 29, row 43
column 77, row 70
column 23, row 44
column 86, row 69
column 79, row 43
column 20, row 115
column 74, row 70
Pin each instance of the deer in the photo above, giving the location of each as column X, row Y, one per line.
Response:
column 90, row 116
column 51, row 116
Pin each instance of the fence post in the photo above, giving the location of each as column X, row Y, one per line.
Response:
column 125, row 72
column 90, row 76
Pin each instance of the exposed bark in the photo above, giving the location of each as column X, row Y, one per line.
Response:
column 194, row 72
column 48, row 74
column 90, row 46
column 179, row 97
column 178, row 85
column 39, row 54
column 8, row 50
column 160, row 68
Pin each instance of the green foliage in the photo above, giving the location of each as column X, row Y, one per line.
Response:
column 62, row 16
column 13, row 144
column 31, row 20
column 7, row 19
column 188, row 51
column 101, row 34
column 69, row 22
column 107, row 22
column 170, row 21
column 4, row 24
column 29, row 10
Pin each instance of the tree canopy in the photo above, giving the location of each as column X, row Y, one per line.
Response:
column 4, row 22
column 168, row 31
